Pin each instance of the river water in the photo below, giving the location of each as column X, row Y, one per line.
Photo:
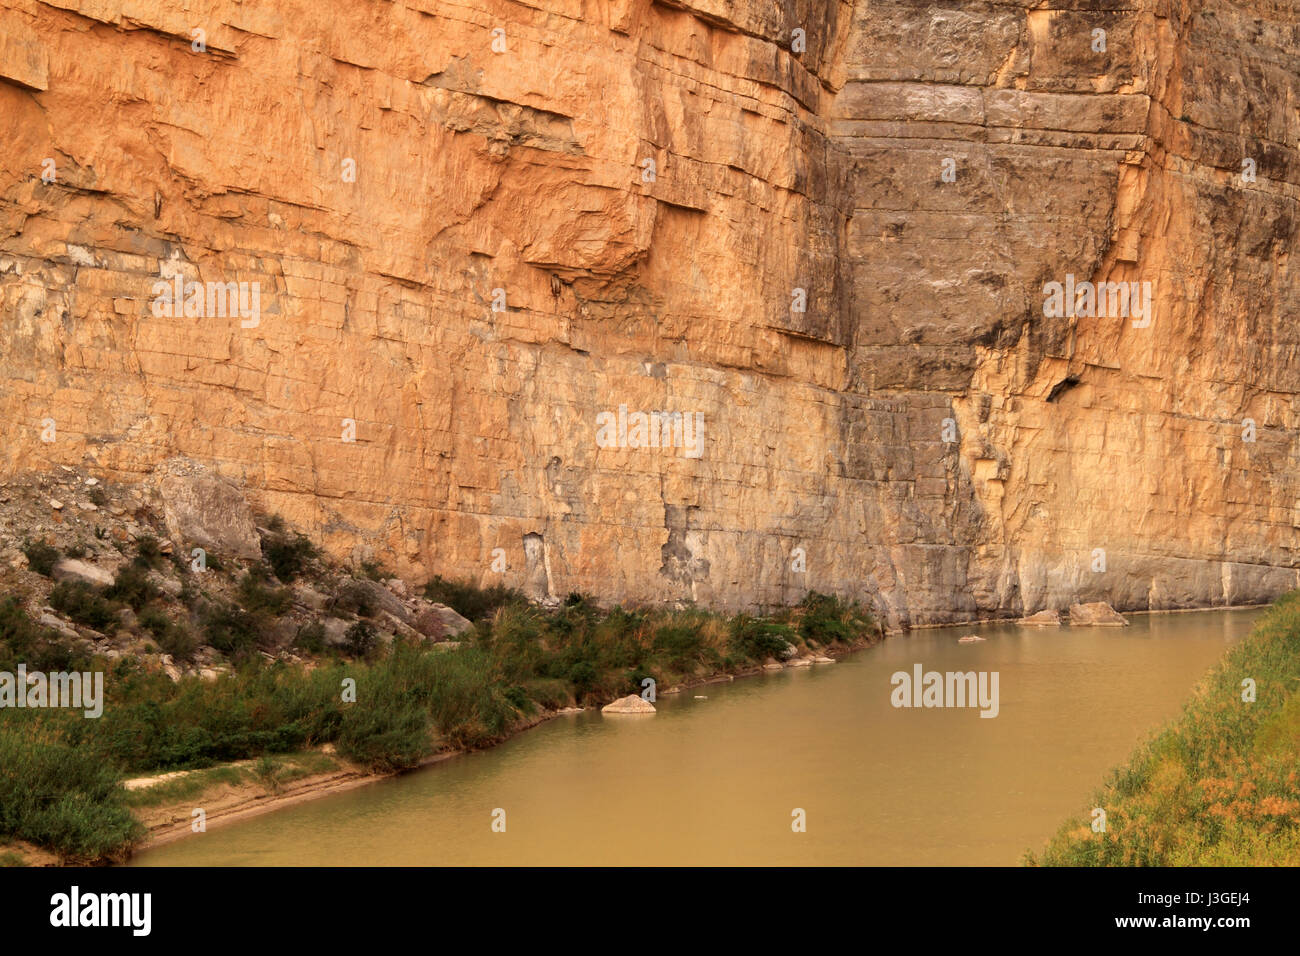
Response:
column 717, row 780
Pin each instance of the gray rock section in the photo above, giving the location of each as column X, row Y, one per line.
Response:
column 206, row 511
column 70, row 569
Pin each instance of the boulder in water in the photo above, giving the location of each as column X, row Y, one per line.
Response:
column 631, row 704
column 1044, row 618
column 1096, row 614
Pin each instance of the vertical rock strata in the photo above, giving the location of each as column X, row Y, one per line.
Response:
column 463, row 257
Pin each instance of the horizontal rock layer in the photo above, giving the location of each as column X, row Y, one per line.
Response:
column 473, row 228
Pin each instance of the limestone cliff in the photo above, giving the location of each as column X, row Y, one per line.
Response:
column 819, row 230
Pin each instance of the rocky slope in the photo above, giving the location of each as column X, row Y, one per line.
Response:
column 97, row 566
column 476, row 227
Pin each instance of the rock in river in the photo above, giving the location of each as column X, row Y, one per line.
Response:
column 1046, row 618
column 1096, row 614
column 631, row 704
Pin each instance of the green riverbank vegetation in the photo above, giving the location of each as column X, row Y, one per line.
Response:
column 1221, row 785
column 61, row 773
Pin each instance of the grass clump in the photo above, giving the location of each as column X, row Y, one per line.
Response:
column 61, row 797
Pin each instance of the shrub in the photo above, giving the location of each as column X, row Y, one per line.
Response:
column 22, row 640
column 148, row 553
column 826, row 619
column 682, row 645
column 132, row 587
column 40, row 556
column 18, row 632
column 757, row 639
column 287, row 554
column 470, row 601
column 310, row 637
column 353, row 597
column 361, row 638
column 549, row 692
column 519, row 700
column 374, row 570
column 256, row 596
column 230, row 629
column 173, row 637
column 155, row 619
column 177, row 641
column 582, row 676
column 83, row 604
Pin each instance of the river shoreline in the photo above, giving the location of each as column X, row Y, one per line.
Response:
column 171, row 822
column 1065, row 622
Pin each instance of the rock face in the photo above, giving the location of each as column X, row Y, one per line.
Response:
column 631, row 704
column 439, row 622
column 385, row 600
column 1097, row 613
column 70, row 569
column 204, row 510
column 486, row 241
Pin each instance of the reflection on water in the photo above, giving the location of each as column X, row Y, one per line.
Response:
column 715, row 781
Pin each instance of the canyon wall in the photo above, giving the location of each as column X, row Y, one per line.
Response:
column 821, row 230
